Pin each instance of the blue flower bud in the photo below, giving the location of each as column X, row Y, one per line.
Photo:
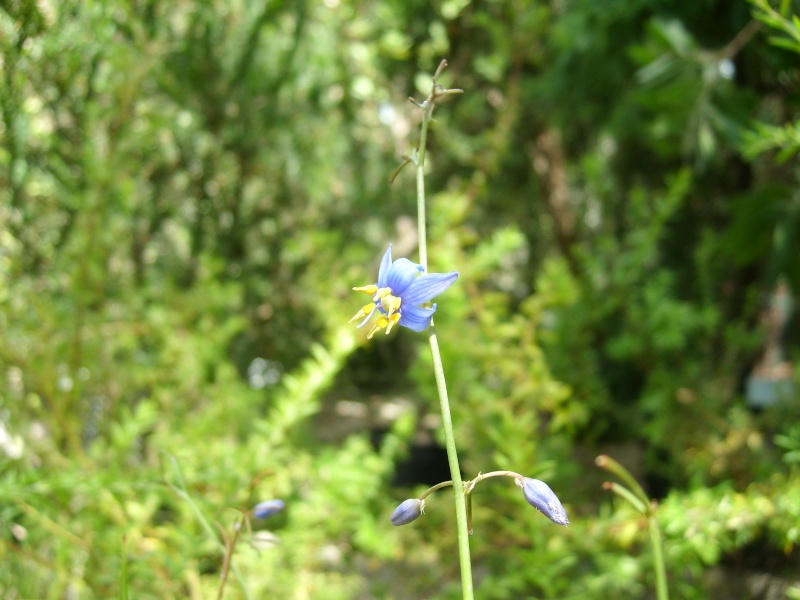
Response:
column 541, row 497
column 408, row 511
column 262, row 510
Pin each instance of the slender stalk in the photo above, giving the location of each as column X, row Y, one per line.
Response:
column 609, row 464
column 421, row 212
column 430, row 490
column 438, row 369
column 230, row 546
column 455, row 471
column 628, row 495
column 230, row 543
column 637, row 498
column 662, row 592
column 180, row 489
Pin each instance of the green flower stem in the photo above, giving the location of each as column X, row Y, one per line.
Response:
column 447, row 421
column 421, row 213
column 662, row 593
column 609, row 464
column 230, row 546
column 468, row 501
column 430, row 490
column 180, row 489
column 625, row 493
column 470, row 485
column 455, row 470
column 635, row 495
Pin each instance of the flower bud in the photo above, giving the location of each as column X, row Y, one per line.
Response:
column 541, row 497
column 408, row 511
column 262, row 510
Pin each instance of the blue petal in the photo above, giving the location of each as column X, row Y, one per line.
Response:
column 541, row 497
column 416, row 318
column 383, row 271
column 426, row 287
column 402, row 275
column 262, row 510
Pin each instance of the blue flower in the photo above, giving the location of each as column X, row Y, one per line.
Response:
column 262, row 510
column 541, row 497
column 399, row 294
column 409, row 510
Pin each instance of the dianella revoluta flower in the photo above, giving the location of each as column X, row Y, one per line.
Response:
column 409, row 510
column 541, row 497
column 399, row 294
column 262, row 510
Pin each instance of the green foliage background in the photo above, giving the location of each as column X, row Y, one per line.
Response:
column 189, row 190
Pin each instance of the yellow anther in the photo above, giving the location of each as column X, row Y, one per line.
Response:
column 393, row 319
column 379, row 324
column 367, row 289
column 381, row 293
column 365, row 310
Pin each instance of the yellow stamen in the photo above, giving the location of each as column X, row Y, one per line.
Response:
column 393, row 319
column 388, row 302
column 365, row 310
column 379, row 324
column 367, row 289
